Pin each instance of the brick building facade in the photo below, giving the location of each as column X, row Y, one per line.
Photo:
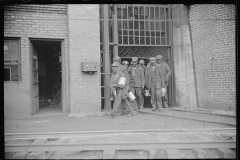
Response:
column 77, row 29
column 214, row 54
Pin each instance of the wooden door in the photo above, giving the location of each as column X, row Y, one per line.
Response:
column 35, row 93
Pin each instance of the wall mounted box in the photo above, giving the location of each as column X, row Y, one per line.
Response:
column 89, row 66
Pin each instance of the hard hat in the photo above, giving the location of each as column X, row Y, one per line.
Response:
column 117, row 58
column 134, row 59
column 152, row 59
column 125, row 62
column 158, row 56
column 141, row 61
column 114, row 64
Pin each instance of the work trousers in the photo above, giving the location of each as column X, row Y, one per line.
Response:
column 133, row 104
column 165, row 99
column 156, row 97
column 137, row 91
column 118, row 100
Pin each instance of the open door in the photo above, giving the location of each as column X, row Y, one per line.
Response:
column 34, row 82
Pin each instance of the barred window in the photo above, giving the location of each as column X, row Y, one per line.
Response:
column 143, row 24
column 11, row 59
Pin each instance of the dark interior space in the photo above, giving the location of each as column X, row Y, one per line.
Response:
column 49, row 73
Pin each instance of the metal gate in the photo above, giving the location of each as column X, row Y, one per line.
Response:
column 134, row 30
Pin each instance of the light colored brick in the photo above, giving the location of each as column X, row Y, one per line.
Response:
column 216, row 41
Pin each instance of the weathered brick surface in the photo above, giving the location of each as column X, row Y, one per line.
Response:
column 213, row 38
column 84, row 46
column 31, row 21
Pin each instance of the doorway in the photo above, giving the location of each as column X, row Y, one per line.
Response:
column 46, row 60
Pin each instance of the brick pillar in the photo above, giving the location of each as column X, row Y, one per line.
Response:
column 84, row 46
column 183, row 59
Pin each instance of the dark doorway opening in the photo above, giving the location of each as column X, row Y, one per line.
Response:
column 49, row 76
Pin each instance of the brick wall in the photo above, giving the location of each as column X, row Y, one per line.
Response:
column 214, row 54
column 31, row 21
column 84, row 46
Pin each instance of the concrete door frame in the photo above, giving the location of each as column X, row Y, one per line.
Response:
column 63, row 67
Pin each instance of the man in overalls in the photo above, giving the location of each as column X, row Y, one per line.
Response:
column 137, row 81
column 120, row 92
column 124, row 69
column 166, row 74
column 155, row 84
column 146, row 75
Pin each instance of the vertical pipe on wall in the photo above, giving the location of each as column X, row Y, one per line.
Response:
column 170, row 22
column 160, row 26
column 133, row 24
column 154, row 24
column 115, row 32
column 106, row 56
column 150, row 30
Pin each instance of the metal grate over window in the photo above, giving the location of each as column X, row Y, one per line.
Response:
column 142, row 24
column 142, row 51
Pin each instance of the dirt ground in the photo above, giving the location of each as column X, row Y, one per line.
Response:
column 64, row 123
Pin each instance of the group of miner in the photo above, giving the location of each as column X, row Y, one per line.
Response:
column 129, row 83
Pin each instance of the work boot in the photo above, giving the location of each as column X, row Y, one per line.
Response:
column 119, row 114
column 109, row 114
column 130, row 114
column 163, row 104
column 140, row 108
column 154, row 109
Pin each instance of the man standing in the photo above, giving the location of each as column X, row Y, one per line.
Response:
column 137, row 81
column 155, row 83
column 120, row 92
column 166, row 73
column 146, row 75
column 121, row 68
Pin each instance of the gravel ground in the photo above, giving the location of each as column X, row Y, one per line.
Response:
column 64, row 123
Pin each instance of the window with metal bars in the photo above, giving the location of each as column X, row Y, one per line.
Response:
column 143, row 24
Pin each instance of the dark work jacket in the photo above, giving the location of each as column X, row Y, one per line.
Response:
column 139, row 79
column 157, row 79
column 124, row 70
column 113, row 82
column 166, row 72
column 146, row 74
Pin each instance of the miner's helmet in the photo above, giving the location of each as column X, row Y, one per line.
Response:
column 114, row 64
column 152, row 59
column 134, row 60
column 159, row 57
column 117, row 58
column 141, row 61
column 124, row 62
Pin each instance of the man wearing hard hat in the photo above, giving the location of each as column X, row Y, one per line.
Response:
column 166, row 73
column 117, row 84
column 155, row 84
column 146, row 75
column 137, row 81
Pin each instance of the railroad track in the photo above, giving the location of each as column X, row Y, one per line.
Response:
column 172, row 143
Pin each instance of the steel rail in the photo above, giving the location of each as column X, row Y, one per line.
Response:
column 78, row 133
column 119, row 146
